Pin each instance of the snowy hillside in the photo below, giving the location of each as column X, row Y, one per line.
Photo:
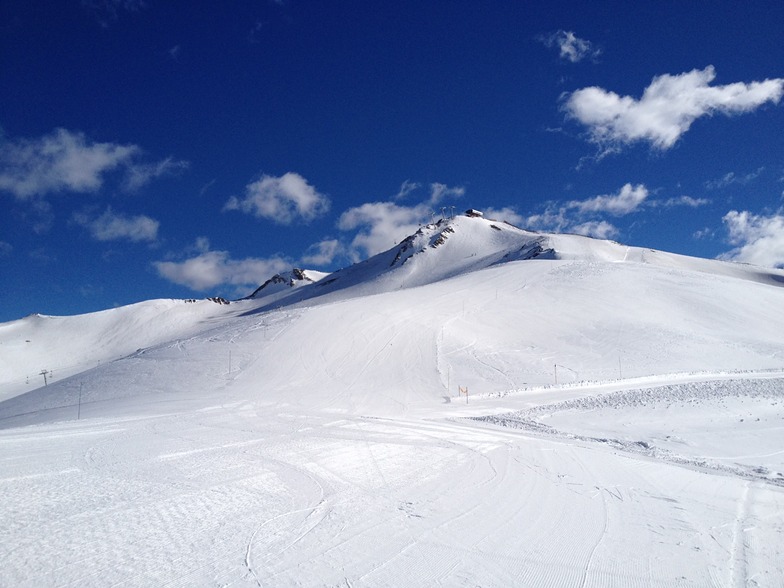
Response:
column 625, row 409
column 69, row 345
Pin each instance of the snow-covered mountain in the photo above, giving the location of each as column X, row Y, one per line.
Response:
column 625, row 410
column 281, row 283
column 516, row 301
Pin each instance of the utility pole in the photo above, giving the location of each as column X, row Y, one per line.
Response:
column 43, row 373
column 79, row 410
column 555, row 371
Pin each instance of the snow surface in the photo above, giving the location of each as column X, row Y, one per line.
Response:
column 319, row 438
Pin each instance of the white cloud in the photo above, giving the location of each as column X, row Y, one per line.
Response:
column 111, row 226
column 57, row 162
column 507, row 213
column 572, row 48
column 668, row 107
column 282, row 200
column 759, row 239
column 439, row 192
column 563, row 220
column 381, row 224
column 599, row 229
column 209, row 269
column 5, row 249
column 322, row 253
column 66, row 161
column 584, row 216
column 626, row 201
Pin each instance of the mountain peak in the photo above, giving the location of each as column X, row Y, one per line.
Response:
column 283, row 282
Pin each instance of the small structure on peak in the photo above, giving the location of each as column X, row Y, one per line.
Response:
column 472, row 212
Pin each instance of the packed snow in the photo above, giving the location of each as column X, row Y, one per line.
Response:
column 622, row 425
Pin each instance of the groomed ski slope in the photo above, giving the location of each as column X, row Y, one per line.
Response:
column 323, row 442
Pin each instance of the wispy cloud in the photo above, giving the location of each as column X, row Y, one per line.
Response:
column 759, row 239
column 406, row 188
column 108, row 11
column 704, row 233
column 571, row 47
column 38, row 214
column 67, row 161
column 141, row 174
column 206, row 187
column 209, row 269
column 254, row 36
column 731, row 178
column 112, row 226
column 5, row 249
column 439, row 192
column 680, row 201
column 667, row 108
column 283, row 199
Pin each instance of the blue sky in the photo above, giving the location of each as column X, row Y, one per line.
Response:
column 153, row 149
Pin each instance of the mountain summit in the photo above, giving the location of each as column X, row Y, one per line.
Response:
column 469, row 243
